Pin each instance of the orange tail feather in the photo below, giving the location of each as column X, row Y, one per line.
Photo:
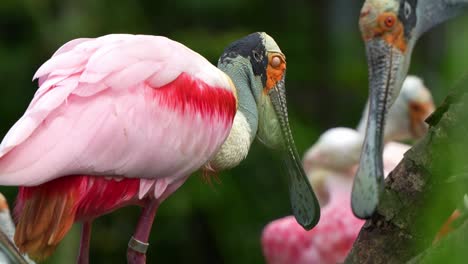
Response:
column 44, row 215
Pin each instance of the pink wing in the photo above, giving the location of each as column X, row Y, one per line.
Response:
column 120, row 105
column 284, row 241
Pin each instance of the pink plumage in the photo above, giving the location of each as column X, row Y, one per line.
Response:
column 144, row 110
column 285, row 242
column 102, row 94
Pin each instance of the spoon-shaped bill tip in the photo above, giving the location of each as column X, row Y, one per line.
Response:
column 305, row 206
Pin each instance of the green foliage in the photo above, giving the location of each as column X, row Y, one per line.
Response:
column 327, row 87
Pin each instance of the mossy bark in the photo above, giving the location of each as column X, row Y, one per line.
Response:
column 423, row 190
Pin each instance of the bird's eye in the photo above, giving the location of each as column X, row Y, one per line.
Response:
column 275, row 61
column 256, row 55
column 389, row 21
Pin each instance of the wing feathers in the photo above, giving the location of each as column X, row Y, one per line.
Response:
column 61, row 62
column 70, row 45
column 132, row 75
column 120, row 105
column 24, row 127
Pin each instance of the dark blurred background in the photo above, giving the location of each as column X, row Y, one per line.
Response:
column 326, row 82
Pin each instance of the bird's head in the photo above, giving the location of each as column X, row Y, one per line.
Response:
column 389, row 32
column 259, row 62
column 410, row 110
column 406, row 118
column 257, row 68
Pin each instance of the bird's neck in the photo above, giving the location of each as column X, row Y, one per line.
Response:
column 456, row 2
column 433, row 12
column 247, row 105
column 244, row 127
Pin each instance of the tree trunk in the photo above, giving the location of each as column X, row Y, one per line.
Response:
column 422, row 191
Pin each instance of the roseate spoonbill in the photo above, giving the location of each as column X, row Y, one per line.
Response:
column 390, row 29
column 330, row 164
column 125, row 119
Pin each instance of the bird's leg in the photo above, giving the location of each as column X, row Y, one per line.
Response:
column 83, row 255
column 136, row 252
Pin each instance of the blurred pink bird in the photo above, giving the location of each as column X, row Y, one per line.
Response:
column 285, row 242
column 331, row 164
column 125, row 119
